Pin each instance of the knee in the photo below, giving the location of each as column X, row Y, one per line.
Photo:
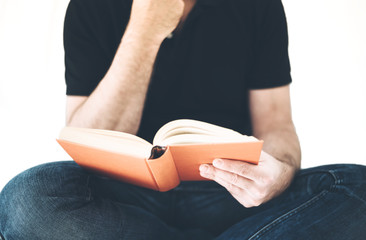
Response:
column 345, row 177
column 17, row 199
column 353, row 177
column 348, row 178
column 25, row 200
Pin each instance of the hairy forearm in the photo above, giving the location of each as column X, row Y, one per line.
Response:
column 272, row 122
column 117, row 102
column 282, row 143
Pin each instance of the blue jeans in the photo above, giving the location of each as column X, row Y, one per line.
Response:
column 62, row 201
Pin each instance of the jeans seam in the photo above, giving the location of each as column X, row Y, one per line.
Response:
column 172, row 208
column 88, row 191
column 287, row 215
column 337, row 180
column 338, row 185
column 122, row 226
column 330, row 172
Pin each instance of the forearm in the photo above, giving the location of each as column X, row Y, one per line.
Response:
column 117, row 102
column 272, row 122
column 282, row 143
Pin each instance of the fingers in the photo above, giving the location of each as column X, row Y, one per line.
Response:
column 240, row 168
column 250, row 184
column 217, row 175
column 242, row 189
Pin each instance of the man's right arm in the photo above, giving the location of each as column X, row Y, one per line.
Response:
column 117, row 102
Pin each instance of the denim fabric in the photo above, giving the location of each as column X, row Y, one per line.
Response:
column 62, row 201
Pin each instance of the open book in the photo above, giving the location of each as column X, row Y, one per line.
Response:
column 178, row 149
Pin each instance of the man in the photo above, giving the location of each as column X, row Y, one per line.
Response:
column 132, row 67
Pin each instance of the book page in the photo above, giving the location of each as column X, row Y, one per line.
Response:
column 186, row 131
column 191, row 138
column 112, row 141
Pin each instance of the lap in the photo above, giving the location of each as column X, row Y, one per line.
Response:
column 60, row 200
column 321, row 203
column 80, row 196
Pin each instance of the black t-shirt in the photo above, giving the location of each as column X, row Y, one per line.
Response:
column 225, row 48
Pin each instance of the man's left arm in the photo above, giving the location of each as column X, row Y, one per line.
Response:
column 251, row 184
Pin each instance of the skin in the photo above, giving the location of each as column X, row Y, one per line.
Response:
column 252, row 185
column 117, row 104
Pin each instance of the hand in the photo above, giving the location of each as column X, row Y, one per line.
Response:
column 157, row 18
column 249, row 184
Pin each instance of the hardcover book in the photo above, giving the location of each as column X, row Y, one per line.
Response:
column 178, row 149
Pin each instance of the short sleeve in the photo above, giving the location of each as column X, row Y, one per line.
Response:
column 271, row 65
column 92, row 33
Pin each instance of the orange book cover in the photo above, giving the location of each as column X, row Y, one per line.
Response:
column 179, row 162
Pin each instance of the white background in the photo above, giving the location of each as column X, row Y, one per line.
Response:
column 328, row 58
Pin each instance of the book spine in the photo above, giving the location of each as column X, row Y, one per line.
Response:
column 164, row 171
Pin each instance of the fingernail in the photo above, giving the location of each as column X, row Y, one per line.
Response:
column 204, row 168
column 217, row 162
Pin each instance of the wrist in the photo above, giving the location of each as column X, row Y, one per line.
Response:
column 144, row 35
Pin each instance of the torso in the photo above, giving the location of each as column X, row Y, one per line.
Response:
column 202, row 73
